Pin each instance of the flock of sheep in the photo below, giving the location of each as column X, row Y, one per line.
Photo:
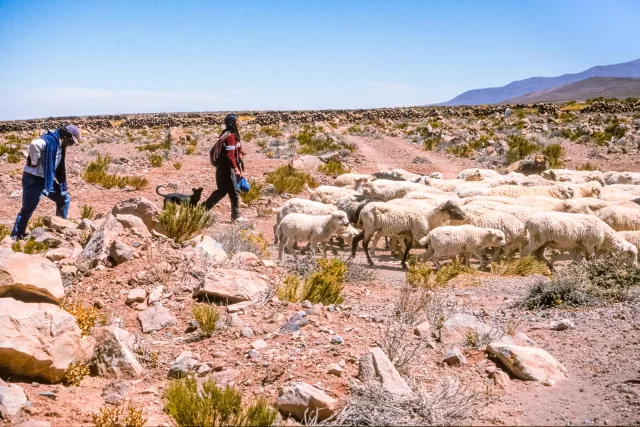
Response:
column 481, row 214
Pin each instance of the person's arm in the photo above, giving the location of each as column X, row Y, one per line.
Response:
column 36, row 148
column 230, row 147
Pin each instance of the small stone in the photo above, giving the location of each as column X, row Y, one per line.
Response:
column 454, row 357
column 47, row 394
column 247, row 332
column 259, row 344
column 337, row 339
column 253, row 354
column 235, row 321
column 136, row 295
column 192, row 327
column 98, row 303
column 561, row 325
column 334, row 369
column 423, row 330
column 306, row 304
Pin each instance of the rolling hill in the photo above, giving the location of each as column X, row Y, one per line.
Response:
column 495, row 95
column 607, row 87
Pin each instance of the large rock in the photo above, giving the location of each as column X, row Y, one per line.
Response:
column 457, row 327
column 245, row 259
column 99, row 246
column 143, row 208
column 231, row 286
column 307, row 162
column 12, row 397
column 39, row 340
column 528, row 363
column 376, row 366
column 59, row 224
column 185, row 363
column 177, row 135
column 119, row 252
column 299, row 399
column 156, row 318
column 134, row 223
column 205, row 245
column 29, row 278
column 113, row 356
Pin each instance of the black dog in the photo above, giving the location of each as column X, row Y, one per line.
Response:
column 193, row 199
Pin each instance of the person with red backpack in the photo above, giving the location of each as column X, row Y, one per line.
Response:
column 226, row 156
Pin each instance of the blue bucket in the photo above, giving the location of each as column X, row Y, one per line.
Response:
column 243, row 185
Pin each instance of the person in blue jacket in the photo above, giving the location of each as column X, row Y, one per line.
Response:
column 45, row 175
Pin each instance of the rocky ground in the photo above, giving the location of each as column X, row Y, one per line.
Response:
column 587, row 370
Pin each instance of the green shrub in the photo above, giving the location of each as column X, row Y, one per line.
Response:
column 254, row 193
column 452, row 270
column 207, row 317
column 272, row 131
column 36, row 223
column 4, row 231
column 332, row 168
column 519, row 148
column 287, row 179
column 118, row 416
column 183, row 221
column 29, row 246
column 213, row 406
column 312, row 144
column 461, row 150
column 154, row 147
column 325, row 285
column 248, row 136
column 155, row 160
column 13, row 158
column 354, row 129
column 554, row 153
column 96, row 173
column 177, row 165
column 191, row 149
column 420, row 275
column 524, row 266
column 289, row 289
column 87, row 212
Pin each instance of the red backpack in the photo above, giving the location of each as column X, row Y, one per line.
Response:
column 215, row 154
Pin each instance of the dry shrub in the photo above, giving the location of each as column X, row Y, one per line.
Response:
column 183, row 222
column 254, row 193
column 287, row 179
column 452, row 270
column 75, row 373
column 524, row 266
column 177, row 165
column 359, row 273
column 159, row 270
column 272, row 131
column 119, row 416
column 36, row 223
column 86, row 317
column 238, row 239
column 332, row 168
column 210, row 405
column 372, row 405
column 289, row 289
column 155, row 160
column 4, row 231
column 420, row 275
column 207, row 317
column 29, row 246
column 325, row 285
column 96, row 173
column 87, row 212
column 479, row 341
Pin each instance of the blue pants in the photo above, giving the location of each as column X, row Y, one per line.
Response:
column 32, row 187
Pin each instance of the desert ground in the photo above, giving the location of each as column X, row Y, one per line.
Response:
column 262, row 347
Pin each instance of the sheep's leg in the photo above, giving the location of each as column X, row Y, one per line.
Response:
column 376, row 237
column 290, row 244
column 341, row 243
column 365, row 246
column 436, row 262
column 275, row 234
column 281, row 248
column 408, row 243
column 386, row 243
column 539, row 253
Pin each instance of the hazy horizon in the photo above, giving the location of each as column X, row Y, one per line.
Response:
column 84, row 58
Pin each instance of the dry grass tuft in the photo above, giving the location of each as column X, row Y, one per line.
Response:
column 76, row 373
column 86, row 317
column 207, row 317
column 184, row 221
column 289, row 289
column 287, row 179
column 119, row 416
column 524, row 266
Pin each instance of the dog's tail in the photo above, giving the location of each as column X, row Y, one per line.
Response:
column 158, row 190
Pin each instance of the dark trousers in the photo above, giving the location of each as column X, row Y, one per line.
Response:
column 227, row 185
column 32, row 187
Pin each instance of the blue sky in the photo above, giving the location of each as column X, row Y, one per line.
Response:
column 93, row 57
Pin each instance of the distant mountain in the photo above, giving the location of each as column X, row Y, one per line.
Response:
column 607, row 87
column 495, row 95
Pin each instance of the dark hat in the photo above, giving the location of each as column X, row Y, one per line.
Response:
column 75, row 132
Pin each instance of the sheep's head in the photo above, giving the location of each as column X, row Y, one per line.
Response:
column 452, row 209
column 340, row 218
column 476, row 175
column 629, row 254
column 540, row 160
column 592, row 189
column 436, row 175
column 566, row 192
column 496, row 238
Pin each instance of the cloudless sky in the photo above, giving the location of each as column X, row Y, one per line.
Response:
column 82, row 57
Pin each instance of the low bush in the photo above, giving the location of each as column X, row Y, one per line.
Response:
column 154, row 147
column 287, row 179
column 177, row 165
column 191, row 149
column 519, row 148
column 272, row 131
column 76, row 372
column 237, row 239
column 13, row 158
column 332, row 168
column 155, row 160
column 354, row 129
column 452, row 270
column 36, row 223
column 210, row 405
column 86, row 317
column 289, row 289
column 461, row 150
column 325, row 285
column 29, row 246
column 523, row 266
column 248, row 136
column 87, row 212
column 254, row 193
column 184, row 221
column 4, row 231
column 420, row 275
column 555, row 154
column 96, row 173
column 207, row 317
column 119, row 416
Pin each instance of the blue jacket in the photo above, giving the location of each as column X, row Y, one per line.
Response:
column 49, row 161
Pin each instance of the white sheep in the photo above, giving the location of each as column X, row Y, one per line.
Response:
column 387, row 190
column 404, row 222
column 516, row 178
column 484, row 173
column 465, row 240
column 632, row 237
column 589, row 189
column 521, row 212
column 435, row 175
column 620, row 192
column 351, row 179
column 620, row 218
column 297, row 227
column 421, row 195
column 451, row 185
column 559, row 191
column 298, row 205
column 575, row 177
column 584, row 205
column 541, row 202
column 397, row 175
column 575, row 232
column 329, row 194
